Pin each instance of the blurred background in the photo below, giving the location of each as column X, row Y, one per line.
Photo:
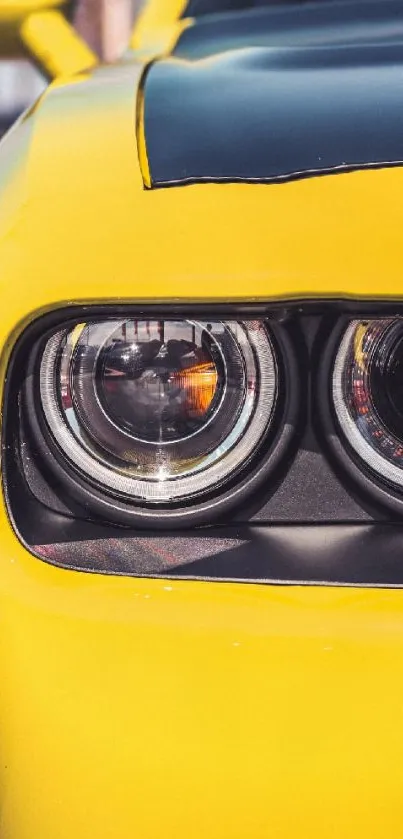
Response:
column 106, row 26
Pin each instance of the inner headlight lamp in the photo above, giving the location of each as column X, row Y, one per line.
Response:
column 158, row 411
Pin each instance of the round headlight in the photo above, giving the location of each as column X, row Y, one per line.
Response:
column 159, row 411
column 368, row 394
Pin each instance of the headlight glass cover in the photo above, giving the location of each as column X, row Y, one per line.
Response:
column 158, row 410
column 367, row 390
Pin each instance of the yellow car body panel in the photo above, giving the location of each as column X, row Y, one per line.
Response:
column 146, row 708
column 143, row 708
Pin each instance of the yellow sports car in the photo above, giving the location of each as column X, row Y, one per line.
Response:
column 201, row 331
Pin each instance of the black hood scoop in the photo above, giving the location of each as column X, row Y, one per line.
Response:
column 278, row 111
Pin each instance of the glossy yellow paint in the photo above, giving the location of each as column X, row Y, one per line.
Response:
column 55, row 44
column 142, row 708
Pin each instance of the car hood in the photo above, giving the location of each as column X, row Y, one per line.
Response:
column 296, row 92
column 77, row 224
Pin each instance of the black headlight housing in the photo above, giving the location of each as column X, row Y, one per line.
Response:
column 237, row 409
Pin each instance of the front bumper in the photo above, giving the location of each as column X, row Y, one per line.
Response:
column 154, row 708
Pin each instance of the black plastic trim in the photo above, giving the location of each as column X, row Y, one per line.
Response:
column 369, row 554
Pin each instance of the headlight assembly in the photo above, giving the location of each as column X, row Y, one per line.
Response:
column 367, row 390
column 144, row 418
column 271, row 435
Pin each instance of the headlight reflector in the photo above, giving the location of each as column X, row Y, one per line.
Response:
column 158, row 411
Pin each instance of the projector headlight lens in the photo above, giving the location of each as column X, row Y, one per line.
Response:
column 158, row 411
